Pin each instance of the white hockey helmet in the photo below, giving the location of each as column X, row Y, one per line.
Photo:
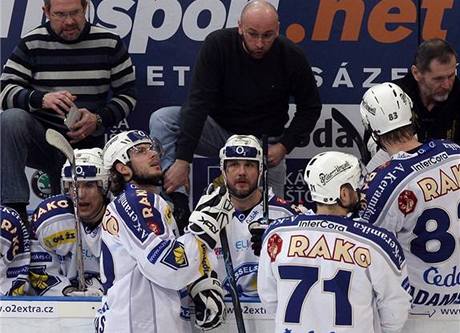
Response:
column 385, row 107
column 88, row 167
column 116, row 149
column 327, row 172
column 241, row 147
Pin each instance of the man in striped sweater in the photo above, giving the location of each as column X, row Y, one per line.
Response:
column 63, row 62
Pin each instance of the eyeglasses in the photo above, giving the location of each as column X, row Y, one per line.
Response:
column 62, row 16
column 141, row 150
column 266, row 36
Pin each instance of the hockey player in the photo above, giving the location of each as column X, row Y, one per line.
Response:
column 144, row 264
column 53, row 268
column 416, row 196
column 241, row 163
column 14, row 254
column 328, row 273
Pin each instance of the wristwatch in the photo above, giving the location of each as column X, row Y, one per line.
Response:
column 98, row 121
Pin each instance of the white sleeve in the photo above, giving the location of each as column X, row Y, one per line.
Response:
column 54, row 238
column 148, row 236
column 391, row 292
column 266, row 281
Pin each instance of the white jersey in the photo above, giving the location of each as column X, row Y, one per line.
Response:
column 245, row 263
column 144, row 265
column 417, row 197
column 53, row 247
column 14, row 254
column 331, row 274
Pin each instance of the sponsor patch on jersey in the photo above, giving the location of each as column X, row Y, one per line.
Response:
column 167, row 213
column 157, row 251
column 274, row 246
column 175, row 258
column 60, row 238
column 40, row 257
column 110, row 224
column 432, row 160
column 205, row 266
column 407, row 202
column 246, row 282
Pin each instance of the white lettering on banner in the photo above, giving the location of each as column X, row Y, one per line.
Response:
column 375, row 72
column 5, row 17
column 397, row 73
column 342, row 77
column 155, row 72
column 190, row 21
column 181, row 74
column 118, row 21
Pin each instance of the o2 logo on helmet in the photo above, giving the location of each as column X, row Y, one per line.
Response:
column 40, row 184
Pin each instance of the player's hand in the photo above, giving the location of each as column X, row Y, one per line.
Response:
column 275, row 154
column 207, row 295
column 176, row 176
column 212, row 213
column 257, row 229
column 84, row 127
column 58, row 101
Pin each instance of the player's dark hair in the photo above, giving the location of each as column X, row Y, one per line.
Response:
column 47, row 3
column 431, row 49
column 398, row 135
column 117, row 181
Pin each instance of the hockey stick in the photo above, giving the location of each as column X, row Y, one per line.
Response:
column 265, row 178
column 57, row 140
column 232, row 282
column 353, row 133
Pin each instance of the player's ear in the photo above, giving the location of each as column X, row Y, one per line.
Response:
column 124, row 170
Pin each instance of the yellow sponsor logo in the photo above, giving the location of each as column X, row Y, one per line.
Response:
column 167, row 213
column 205, row 266
column 60, row 238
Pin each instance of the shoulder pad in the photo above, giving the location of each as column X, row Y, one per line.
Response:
column 51, row 207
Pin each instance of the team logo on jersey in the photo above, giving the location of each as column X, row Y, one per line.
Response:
column 176, row 258
column 407, row 202
column 40, row 184
column 246, row 282
column 274, row 246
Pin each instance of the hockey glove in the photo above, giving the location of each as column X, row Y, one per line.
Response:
column 212, row 213
column 257, row 229
column 207, row 295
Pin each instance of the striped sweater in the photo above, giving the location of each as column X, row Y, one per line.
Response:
column 95, row 67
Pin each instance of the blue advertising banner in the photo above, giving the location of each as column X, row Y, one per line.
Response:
column 350, row 44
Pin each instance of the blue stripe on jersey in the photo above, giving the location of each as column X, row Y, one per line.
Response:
column 382, row 182
column 107, row 266
column 327, row 223
column 130, row 205
column 52, row 206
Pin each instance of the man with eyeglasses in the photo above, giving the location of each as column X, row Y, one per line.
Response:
column 68, row 69
column 243, row 80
